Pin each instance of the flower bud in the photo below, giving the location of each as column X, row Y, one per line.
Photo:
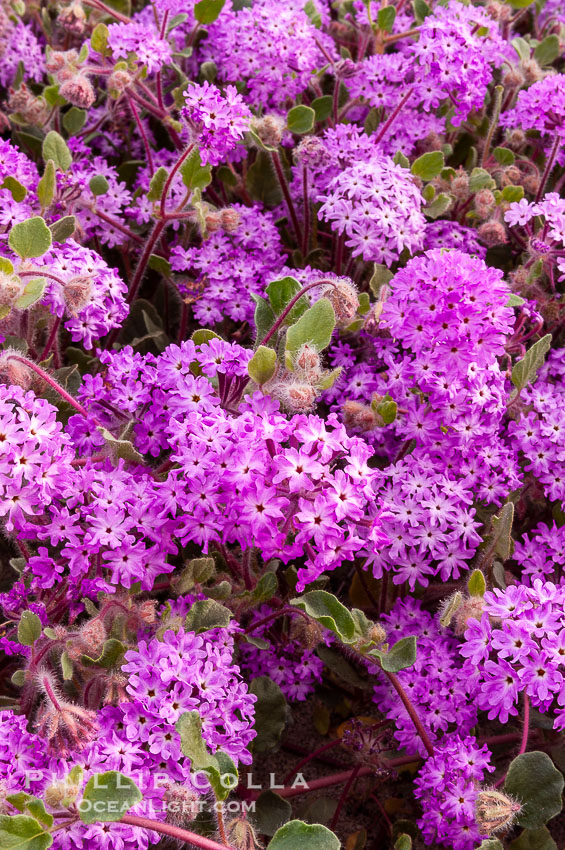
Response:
column 484, row 203
column 92, row 636
column 77, row 293
column 342, row 295
column 460, row 185
column 25, row 103
column 72, row 19
column 230, row 219
column 17, row 373
column 492, row 233
column 516, row 139
column 512, row 76
column 213, row 221
column 242, row 835
column 182, row 804
column 511, row 176
column 471, row 608
column 312, row 152
column 269, row 129
column 118, row 82
column 297, row 396
column 360, row 417
column 56, row 60
column 531, row 183
column 11, row 287
column 307, row 632
column 377, row 633
column 147, row 611
column 532, row 71
column 308, row 361
column 495, row 811
column 78, row 91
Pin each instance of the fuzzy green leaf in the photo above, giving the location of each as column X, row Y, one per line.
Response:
column 300, row 119
column 297, row 835
column 270, row 713
column 30, row 238
column 525, row 371
column 207, row 614
column 314, row 327
column 107, row 797
column 29, row 628
column 327, row 610
column 429, row 165
column 262, row 365
column 20, row 832
column 56, row 148
column 536, row 783
column 207, row 11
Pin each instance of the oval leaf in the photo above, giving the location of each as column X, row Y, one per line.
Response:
column 107, row 797
column 300, row 119
column 535, row 782
column 297, row 835
column 327, row 610
column 30, row 238
column 56, row 148
column 314, row 327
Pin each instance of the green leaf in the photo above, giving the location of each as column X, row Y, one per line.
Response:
column 381, row 276
column 386, row 18
column 262, row 365
column 52, row 96
column 491, row 844
column 194, row 174
column 535, row 782
column 314, row 327
column 281, row 292
column 30, row 238
column 297, row 835
column 271, row 812
column 265, row 588
column 63, row 228
column 515, row 300
column 6, row 266
column 208, row 71
column 327, row 610
column 176, row 21
column 207, row 614
column 504, row 156
column 522, row 48
column 322, row 107
column 300, row 119
column 112, row 652
column 29, row 628
column 32, row 293
column 421, row 10
column 207, row 11
column 439, row 206
column 36, row 807
column 189, row 727
column 270, row 713
column 519, row 4
column 197, row 571
column 219, row 768
column 400, row 159
column 400, row 656
column 512, row 193
column 480, row 179
column 534, row 839
column 56, row 148
column 107, row 797
column 46, row 186
column 547, row 51
column 387, row 410
column 429, row 165
column 20, row 832
column 403, row 842
column 201, row 336
column 500, row 542
column 525, row 370
column 74, row 120
column 315, row 17
column 160, row 264
column 66, row 666
column 99, row 38
column 120, row 449
column 98, row 185
column 15, row 188
column 157, row 184
column 476, row 584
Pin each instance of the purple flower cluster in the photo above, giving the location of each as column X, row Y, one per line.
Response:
column 375, row 206
column 447, row 787
column 217, row 120
column 519, row 646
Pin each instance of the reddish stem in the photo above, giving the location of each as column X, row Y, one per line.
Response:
column 174, row 831
column 51, row 339
column 414, row 717
column 392, row 117
column 273, row 616
column 310, row 757
column 291, row 304
column 53, row 384
column 343, row 796
column 288, row 200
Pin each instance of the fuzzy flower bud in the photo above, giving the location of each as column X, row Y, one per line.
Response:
column 77, row 293
column 360, row 417
column 118, row 82
column 531, row 183
column 460, row 185
column 230, row 219
column 269, row 129
column 309, row 362
column 492, row 233
column 213, row 221
column 242, row 835
column 78, row 91
column 15, row 372
column 495, row 811
column 297, row 396
column 181, row 804
column 342, row 295
column 484, row 203
column 307, row 632
column 11, row 287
